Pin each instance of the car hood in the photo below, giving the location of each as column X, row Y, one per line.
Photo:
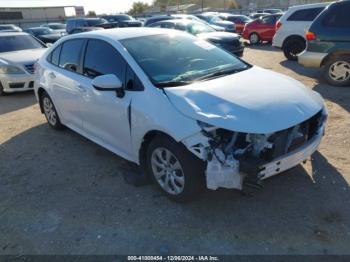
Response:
column 22, row 57
column 252, row 101
column 219, row 36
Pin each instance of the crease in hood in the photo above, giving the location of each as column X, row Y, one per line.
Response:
column 253, row 101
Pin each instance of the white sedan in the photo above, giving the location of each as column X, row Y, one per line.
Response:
column 18, row 54
column 189, row 113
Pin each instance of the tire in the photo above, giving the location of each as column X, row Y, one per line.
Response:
column 254, row 39
column 336, row 71
column 50, row 112
column 293, row 47
column 176, row 171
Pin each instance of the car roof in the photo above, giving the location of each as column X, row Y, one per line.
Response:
column 124, row 33
column 309, row 6
column 13, row 33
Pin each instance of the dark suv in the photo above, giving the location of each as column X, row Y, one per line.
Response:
column 329, row 44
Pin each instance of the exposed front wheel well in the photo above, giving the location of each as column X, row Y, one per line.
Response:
column 145, row 143
column 41, row 91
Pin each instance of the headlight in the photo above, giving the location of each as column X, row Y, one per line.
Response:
column 10, row 70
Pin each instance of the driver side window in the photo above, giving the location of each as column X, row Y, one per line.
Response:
column 102, row 59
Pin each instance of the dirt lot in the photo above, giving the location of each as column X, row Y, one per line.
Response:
column 61, row 194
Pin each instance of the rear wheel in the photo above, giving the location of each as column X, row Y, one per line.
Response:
column 1, row 90
column 176, row 171
column 50, row 112
column 293, row 47
column 337, row 71
column 254, row 38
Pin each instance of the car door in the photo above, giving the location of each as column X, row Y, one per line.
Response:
column 64, row 84
column 105, row 116
column 267, row 27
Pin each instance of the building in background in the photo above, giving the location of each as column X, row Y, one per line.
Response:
column 25, row 16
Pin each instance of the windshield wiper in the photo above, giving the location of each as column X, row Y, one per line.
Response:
column 172, row 83
column 221, row 73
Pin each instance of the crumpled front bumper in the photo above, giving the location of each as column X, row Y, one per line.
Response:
column 293, row 158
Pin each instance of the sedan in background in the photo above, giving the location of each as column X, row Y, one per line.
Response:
column 262, row 29
column 122, row 20
column 189, row 113
column 18, row 54
column 239, row 20
column 57, row 27
column 214, row 19
column 10, row 28
column 193, row 17
column 228, row 41
column 45, row 34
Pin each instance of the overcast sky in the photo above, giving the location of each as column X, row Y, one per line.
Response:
column 100, row 6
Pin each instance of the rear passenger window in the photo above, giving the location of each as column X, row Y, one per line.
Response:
column 70, row 55
column 306, row 14
column 102, row 59
column 269, row 20
column 338, row 16
column 55, row 55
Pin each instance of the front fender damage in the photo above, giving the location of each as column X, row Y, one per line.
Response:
column 235, row 159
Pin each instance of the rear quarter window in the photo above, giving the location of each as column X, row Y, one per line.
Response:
column 306, row 14
column 338, row 16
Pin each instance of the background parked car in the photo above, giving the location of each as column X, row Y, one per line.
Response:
column 157, row 18
column 45, row 34
column 272, row 11
column 239, row 20
column 291, row 28
column 122, row 20
column 18, row 53
column 214, row 19
column 329, row 44
column 228, row 41
column 258, row 15
column 85, row 29
column 193, row 17
column 262, row 29
column 87, row 22
column 57, row 27
column 10, row 28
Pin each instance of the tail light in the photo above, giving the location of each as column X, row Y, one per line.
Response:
column 278, row 25
column 310, row 36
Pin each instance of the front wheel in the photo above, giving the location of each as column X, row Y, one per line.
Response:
column 50, row 112
column 293, row 47
column 337, row 71
column 176, row 171
column 1, row 90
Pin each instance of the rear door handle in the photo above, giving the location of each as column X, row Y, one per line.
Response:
column 52, row 75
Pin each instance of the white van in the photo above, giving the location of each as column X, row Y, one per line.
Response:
column 292, row 26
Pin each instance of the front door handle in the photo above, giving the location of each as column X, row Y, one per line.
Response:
column 81, row 88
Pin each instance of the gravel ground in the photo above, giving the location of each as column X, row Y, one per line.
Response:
column 62, row 194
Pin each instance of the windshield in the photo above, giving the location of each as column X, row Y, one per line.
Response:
column 198, row 28
column 191, row 59
column 94, row 22
column 58, row 26
column 18, row 42
column 245, row 19
column 42, row 31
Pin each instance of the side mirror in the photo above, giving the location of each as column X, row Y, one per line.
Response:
column 109, row 83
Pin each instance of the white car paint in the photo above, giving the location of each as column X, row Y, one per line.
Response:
column 293, row 28
column 19, row 59
column 256, row 100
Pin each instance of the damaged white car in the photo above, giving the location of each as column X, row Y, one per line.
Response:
column 187, row 111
